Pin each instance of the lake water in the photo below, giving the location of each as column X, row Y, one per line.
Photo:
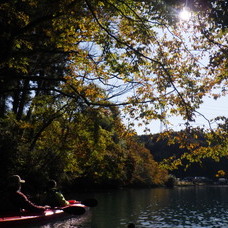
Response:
column 202, row 206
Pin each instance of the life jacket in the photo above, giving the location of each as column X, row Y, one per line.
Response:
column 55, row 199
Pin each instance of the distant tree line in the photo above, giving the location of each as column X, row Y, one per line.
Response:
column 181, row 161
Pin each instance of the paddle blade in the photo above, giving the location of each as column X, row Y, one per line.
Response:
column 74, row 210
column 90, row 202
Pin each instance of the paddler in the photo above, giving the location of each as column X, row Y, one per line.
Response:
column 53, row 196
column 14, row 201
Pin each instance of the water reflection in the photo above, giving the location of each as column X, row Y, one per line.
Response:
column 179, row 207
column 70, row 221
column 188, row 207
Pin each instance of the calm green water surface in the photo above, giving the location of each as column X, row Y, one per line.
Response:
column 178, row 207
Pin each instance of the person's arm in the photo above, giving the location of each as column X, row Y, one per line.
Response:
column 26, row 204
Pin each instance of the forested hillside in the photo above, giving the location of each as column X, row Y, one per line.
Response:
column 89, row 145
column 165, row 153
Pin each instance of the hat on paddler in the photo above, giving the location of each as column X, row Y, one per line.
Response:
column 15, row 179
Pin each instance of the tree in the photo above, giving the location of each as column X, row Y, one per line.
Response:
column 107, row 41
column 196, row 145
column 76, row 143
column 61, row 53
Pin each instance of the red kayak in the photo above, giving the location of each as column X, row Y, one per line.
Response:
column 27, row 218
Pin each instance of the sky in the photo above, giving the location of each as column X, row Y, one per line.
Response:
column 210, row 109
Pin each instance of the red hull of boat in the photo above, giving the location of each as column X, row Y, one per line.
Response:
column 35, row 218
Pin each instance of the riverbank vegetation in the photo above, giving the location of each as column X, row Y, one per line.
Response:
column 86, row 145
column 72, row 71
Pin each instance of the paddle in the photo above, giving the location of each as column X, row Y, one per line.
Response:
column 89, row 202
column 77, row 210
column 74, row 210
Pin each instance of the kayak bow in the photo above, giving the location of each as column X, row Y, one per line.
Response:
column 28, row 218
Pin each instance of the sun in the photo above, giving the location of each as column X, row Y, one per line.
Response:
column 185, row 14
